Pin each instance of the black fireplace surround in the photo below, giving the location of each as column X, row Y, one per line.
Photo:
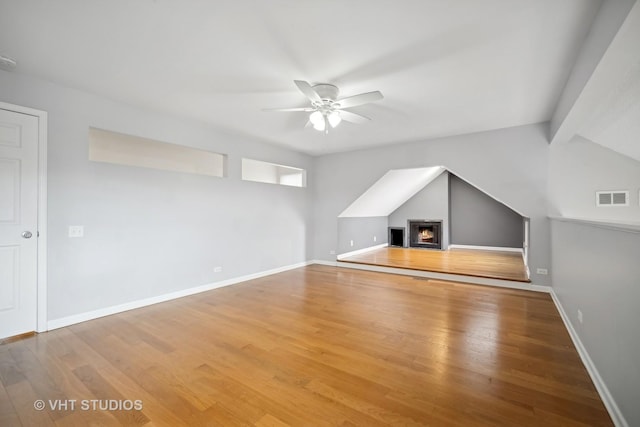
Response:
column 425, row 234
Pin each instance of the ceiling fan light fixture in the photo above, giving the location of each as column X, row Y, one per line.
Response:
column 319, row 125
column 327, row 110
column 316, row 118
column 334, row 118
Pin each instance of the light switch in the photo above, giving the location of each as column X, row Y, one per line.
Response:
column 76, row 231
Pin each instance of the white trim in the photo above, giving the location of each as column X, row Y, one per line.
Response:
column 486, row 248
column 323, row 262
column 106, row 311
column 626, row 226
column 41, row 312
column 447, row 276
column 601, row 387
column 603, row 391
column 362, row 251
column 525, row 244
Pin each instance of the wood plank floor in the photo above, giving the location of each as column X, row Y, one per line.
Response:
column 317, row 346
column 468, row 262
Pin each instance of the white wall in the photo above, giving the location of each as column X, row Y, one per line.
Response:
column 509, row 164
column 579, row 168
column 150, row 232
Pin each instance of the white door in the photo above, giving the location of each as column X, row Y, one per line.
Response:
column 18, row 223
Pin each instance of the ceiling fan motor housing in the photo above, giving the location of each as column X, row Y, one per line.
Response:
column 327, row 91
column 326, row 109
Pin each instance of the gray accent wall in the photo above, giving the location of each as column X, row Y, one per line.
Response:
column 432, row 203
column 479, row 220
column 362, row 231
column 149, row 232
column 594, row 267
column 509, row 164
column 596, row 270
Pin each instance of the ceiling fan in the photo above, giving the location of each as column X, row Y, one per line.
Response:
column 326, row 109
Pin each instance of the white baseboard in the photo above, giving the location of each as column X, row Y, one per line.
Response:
column 615, row 413
column 362, row 251
column 447, row 276
column 106, row 311
column 323, row 262
column 605, row 395
column 486, row 248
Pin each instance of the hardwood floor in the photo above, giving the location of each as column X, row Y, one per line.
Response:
column 313, row 346
column 468, row 262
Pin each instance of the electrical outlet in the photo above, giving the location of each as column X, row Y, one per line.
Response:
column 542, row 271
column 580, row 316
column 332, row 252
column 217, row 269
column 375, row 239
column 76, row 231
column 352, row 243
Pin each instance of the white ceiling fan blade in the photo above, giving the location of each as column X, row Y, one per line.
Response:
column 308, row 90
column 348, row 116
column 289, row 109
column 363, row 98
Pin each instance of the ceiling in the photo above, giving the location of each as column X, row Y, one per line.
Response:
column 445, row 67
column 607, row 111
column 392, row 190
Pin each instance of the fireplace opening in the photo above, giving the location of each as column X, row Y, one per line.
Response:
column 396, row 236
column 425, row 234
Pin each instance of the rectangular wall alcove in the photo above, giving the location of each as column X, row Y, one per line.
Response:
column 121, row 149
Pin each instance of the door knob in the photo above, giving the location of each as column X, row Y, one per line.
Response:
column 26, row 234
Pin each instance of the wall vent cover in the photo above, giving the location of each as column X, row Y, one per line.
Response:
column 612, row 198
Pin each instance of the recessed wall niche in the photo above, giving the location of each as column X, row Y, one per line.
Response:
column 121, row 149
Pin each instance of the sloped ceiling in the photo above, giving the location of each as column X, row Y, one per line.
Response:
column 395, row 188
column 607, row 110
column 444, row 67
column 391, row 191
column 615, row 121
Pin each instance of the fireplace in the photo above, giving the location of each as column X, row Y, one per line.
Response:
column 425, row 234
column 396, row 236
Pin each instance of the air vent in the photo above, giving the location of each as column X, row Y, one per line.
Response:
column 612, row 198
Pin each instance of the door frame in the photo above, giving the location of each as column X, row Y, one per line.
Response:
column 41, row 321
